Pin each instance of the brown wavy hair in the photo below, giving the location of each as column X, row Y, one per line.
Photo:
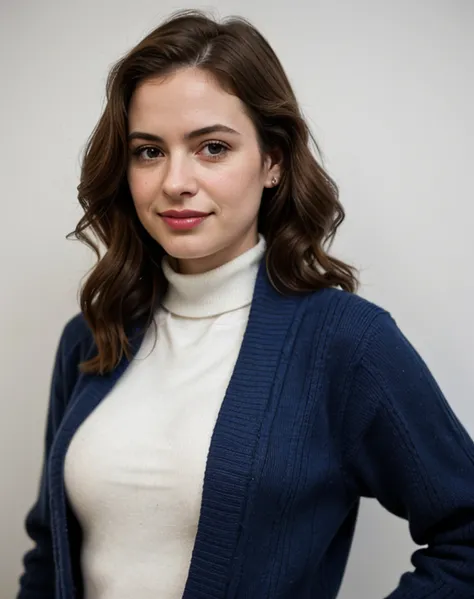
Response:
column 298, row 219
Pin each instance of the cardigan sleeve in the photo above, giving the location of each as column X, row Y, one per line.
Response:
column 406, row 448
column 37, row 580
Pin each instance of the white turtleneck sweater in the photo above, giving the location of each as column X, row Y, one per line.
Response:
column 135, row 468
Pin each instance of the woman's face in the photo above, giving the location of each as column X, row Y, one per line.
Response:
column 218, row 171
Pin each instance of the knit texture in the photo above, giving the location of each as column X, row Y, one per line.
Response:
column 328, row 403
column 134, row 469
column 228, row 287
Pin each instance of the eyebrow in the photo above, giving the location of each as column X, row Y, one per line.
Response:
column 217, row 128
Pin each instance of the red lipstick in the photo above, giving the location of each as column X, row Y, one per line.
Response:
column 183, row 220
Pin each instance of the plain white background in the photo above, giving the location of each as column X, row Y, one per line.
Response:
column 388, row 89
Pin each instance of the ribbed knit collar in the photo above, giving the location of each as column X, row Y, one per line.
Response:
column 217, row 291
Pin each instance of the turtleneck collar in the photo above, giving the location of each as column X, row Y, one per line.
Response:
column 228, row 287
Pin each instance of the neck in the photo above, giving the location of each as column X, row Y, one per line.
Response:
column 195, row 266
column 222, row 289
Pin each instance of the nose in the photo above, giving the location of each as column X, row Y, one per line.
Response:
column 179, row 177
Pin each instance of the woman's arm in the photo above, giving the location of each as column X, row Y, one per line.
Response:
column 38, row 578
column 406, row 448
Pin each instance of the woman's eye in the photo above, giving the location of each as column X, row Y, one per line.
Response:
column 215, row 149
column 143, row 153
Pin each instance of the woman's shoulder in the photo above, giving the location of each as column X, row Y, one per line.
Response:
column 76, row 337
column 346, row 309
column 351, row 324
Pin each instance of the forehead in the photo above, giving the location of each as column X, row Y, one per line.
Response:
column 187, row 99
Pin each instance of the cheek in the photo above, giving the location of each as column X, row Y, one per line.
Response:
column 240, row 185
column 141, row 187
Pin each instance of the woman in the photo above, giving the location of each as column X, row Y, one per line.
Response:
column 224, row 398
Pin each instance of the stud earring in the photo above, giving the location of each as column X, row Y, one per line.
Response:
column 274, row 181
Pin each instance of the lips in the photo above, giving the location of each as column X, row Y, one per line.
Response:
column 183, row 220
column 183, row 214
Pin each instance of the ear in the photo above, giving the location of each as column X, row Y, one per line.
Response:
column 273, row 167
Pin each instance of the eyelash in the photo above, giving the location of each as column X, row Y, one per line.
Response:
column 138, row 151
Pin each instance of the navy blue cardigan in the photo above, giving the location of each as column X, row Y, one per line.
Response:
column 328, row 403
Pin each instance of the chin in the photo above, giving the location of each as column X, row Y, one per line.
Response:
column 186, row 249
column 188, row 256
